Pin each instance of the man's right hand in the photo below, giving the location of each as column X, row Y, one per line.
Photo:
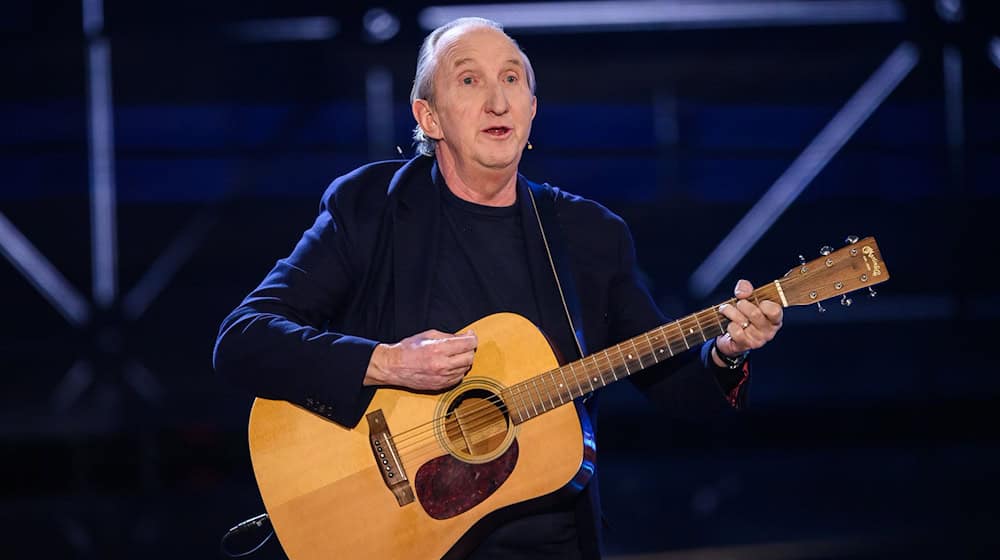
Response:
column 427, row 361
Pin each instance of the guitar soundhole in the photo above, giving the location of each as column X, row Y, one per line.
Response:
column 476, row 426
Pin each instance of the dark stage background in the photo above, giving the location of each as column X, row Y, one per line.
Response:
column 158, row 157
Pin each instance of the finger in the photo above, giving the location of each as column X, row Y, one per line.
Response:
column 458, row 372
column 458, row 344
column 752, row 313
column 743, row 289
column 772, row 311
column 459, row 360
column 735, row 316
column 735, row 345
column 434, row 334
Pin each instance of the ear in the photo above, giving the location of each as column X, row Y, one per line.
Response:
column 534, row 106
column 424, row 115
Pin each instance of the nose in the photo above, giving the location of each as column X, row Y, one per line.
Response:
column 497, row 102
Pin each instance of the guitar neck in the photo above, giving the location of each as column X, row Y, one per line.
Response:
column 556, row 387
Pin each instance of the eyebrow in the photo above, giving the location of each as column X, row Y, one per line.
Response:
column 469, row 60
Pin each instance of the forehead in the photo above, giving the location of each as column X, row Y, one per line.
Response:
column 484, row 45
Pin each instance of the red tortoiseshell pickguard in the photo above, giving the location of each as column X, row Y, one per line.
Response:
column 446, row 486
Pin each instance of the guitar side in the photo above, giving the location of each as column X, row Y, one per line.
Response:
column 325, row 494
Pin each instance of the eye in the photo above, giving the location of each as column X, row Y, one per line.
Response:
column 467, row 80
column 511, row 78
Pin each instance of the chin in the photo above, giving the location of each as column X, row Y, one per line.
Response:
column 500, row 160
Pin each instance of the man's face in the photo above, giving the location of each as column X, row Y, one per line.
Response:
column 483, row 105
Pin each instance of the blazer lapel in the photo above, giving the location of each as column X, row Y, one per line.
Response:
column 416, row 220
column 550, row 307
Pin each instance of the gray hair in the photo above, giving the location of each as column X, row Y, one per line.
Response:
column 423, row 81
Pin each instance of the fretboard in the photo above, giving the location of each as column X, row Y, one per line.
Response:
column 556, row 387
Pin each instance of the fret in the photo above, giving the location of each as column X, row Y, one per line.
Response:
column 610, row 366
column 549, row 392
column 638, row 355
column 652, row 349
column 634, row 356
column 532, row 401
column 510, row 398
column 700, row 329
column 666, row 340
column 524, row 404
column 569, row 390
column 541, row 399
column 684, row 338
column 687, row 332
column 718, row 319
column 613, row 366
column 597, row 378
column 624, row 363
column 590, row 375
column 578, row 377
column 554, row 383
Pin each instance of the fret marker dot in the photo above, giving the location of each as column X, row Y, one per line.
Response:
column 595, row 380
column 690, row 331
column 630, row 356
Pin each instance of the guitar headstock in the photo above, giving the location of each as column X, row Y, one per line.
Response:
column 853, row 267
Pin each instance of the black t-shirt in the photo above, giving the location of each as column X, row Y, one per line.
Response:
column 481, row 268
column 481, row 265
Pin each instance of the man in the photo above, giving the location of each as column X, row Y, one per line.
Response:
column 404, row 254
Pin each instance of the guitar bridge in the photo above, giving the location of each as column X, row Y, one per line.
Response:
column 389, row 464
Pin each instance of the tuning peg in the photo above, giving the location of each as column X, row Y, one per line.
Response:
column 802, row 259
column 821, row 308
column 851, row 239
column 825, row 250
column 845, row 301
column 871, row 291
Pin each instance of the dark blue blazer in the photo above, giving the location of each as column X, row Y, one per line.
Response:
column 362, row 275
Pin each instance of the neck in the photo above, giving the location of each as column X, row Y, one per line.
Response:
column 478, row 184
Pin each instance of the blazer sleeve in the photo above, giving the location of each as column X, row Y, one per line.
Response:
column 688, row 386
column 276, row 342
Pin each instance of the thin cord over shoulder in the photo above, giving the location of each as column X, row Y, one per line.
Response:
column 559, row 261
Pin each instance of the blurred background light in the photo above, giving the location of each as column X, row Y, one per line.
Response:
column 380, row 25
column 318, row 28
column 949, row 10
column 676, row 14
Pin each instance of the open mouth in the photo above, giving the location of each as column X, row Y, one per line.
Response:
column 497, row 131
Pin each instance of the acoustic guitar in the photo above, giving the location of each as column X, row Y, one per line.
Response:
column 425, row 473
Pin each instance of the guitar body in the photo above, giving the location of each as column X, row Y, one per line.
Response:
column 423, row 474
column 465, row 456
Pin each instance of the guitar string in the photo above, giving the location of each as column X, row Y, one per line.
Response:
column 418, row 450
column 492, row 401
column 479, row 416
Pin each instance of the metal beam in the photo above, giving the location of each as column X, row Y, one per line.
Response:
column 100, row 127
column 804, row 169
column 42, row 274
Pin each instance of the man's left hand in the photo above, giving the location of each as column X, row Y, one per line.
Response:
column 751, row 326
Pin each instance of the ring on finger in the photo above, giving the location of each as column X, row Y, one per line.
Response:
column 745, row 324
